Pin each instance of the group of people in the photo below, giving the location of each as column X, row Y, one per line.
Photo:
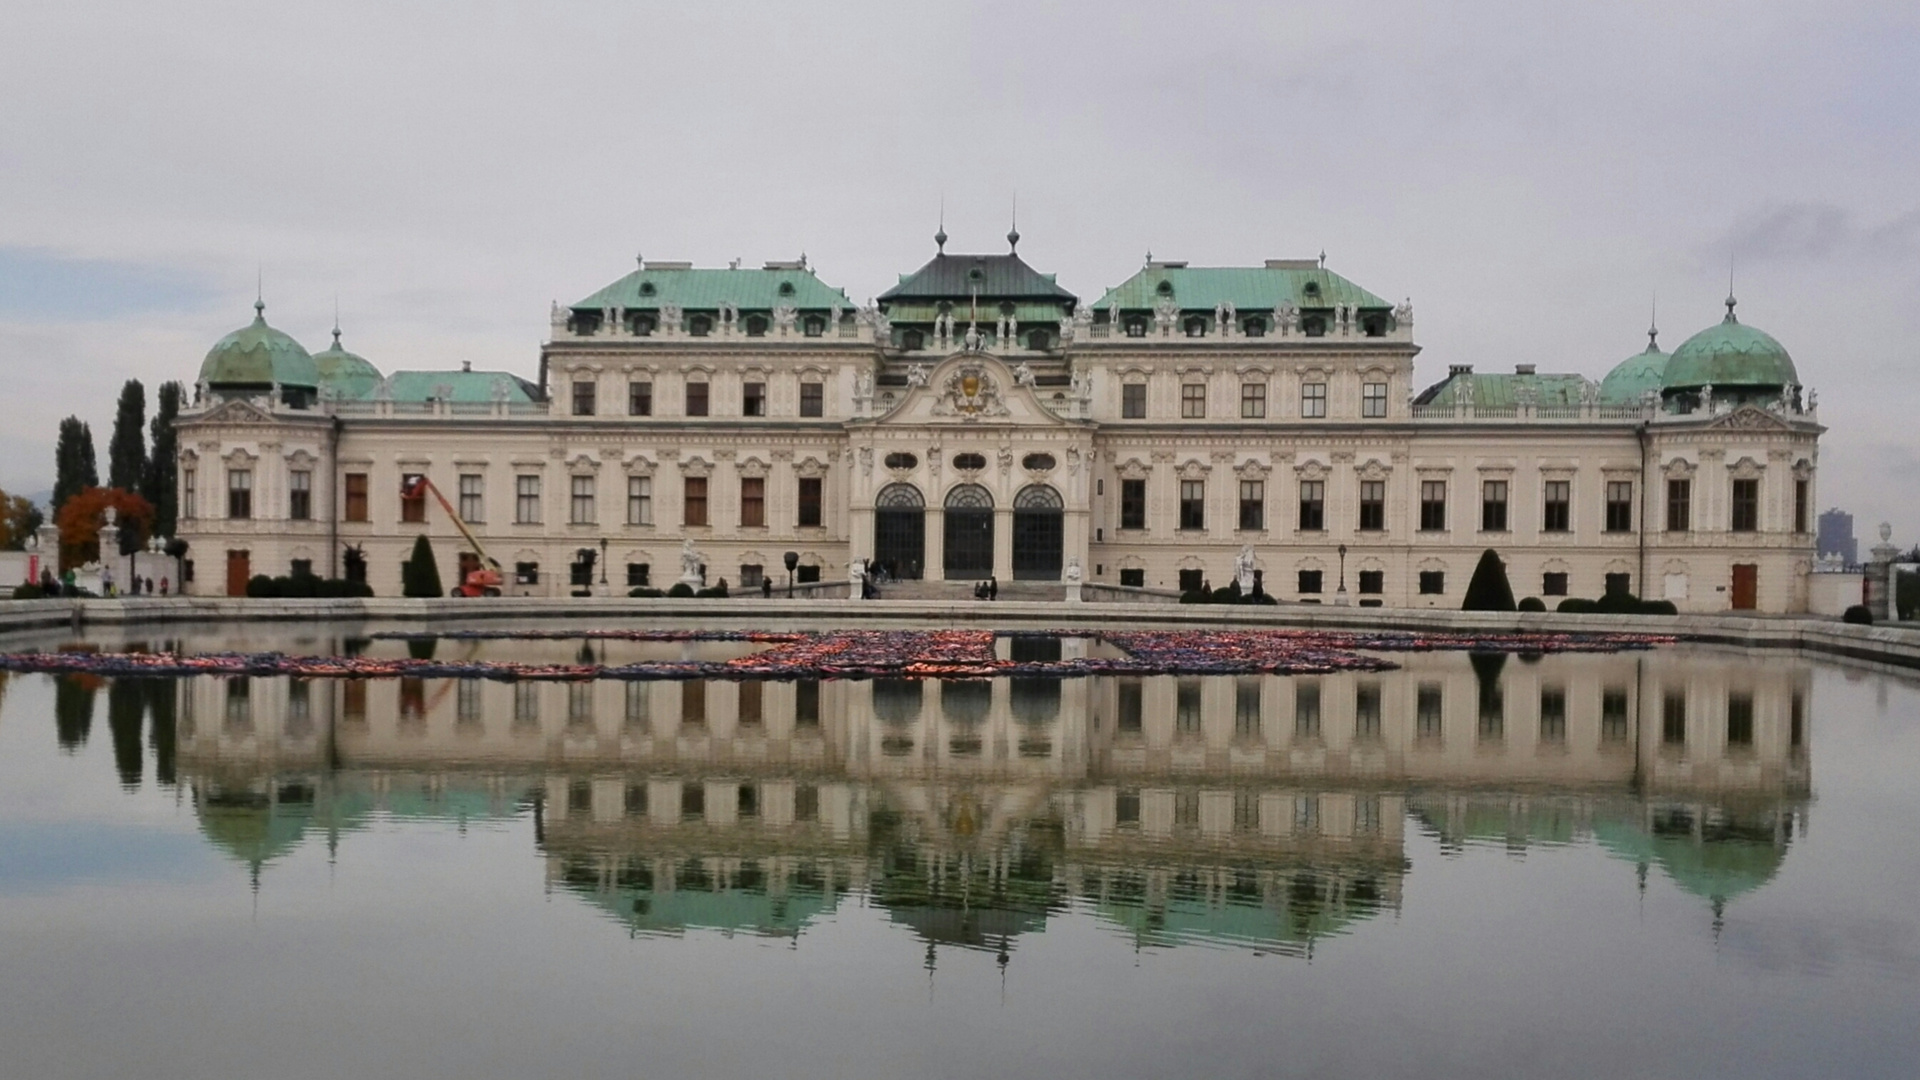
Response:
column 67, row 584
column 987, row 590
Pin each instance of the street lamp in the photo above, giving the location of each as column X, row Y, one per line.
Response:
column 1340, row 594
column 603, row 560
column 792, row 559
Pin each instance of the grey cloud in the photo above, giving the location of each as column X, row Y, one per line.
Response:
column 1805, row 232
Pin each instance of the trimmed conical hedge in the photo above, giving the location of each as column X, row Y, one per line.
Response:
column 421, row 575
column 1489, row 591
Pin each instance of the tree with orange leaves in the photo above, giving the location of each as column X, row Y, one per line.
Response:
column 82, row 517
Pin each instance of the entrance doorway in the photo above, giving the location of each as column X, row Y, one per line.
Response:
column 900, row 531
column 1746, row 586
column 239, row 572
column 1039, row 532
column 969, row 533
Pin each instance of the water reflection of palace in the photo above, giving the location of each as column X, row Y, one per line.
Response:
column 1264, row 810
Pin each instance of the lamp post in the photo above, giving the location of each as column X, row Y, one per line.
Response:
column 792, row 559
column 603, row 562
column 1340, row 594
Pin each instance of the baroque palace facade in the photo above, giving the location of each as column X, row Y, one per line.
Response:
column 978, row 420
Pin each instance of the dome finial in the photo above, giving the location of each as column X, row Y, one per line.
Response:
column 1730, row 300
column 1653, row 326
column 336, row 320
column 1013, row 233
column 940, row 236
column 260, row 294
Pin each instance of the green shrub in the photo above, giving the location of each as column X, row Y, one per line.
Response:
column 26, row 591
column 261, row 587
column 1658, row 607
column 420, row 575
column 1574, row 605
column 680, row 589
column 1532, row 603
column 1193, row 596
column 1489, row 590
column 1859, row 615
column 646, row 593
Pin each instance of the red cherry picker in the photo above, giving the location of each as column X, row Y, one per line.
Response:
column 484, row 579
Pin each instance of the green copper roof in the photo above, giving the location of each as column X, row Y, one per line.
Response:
column 955, row 278
column 470, row 387
column 1503, row 391
column 989, row 313
column 1247, row 288
column 258, row 355
column 1631, row 378
column 347, row 375
column 1730, row 354
column 695, row 290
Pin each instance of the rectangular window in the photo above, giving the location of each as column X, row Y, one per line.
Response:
column 1246, row 709
column 640, row 398
column 1553, row 584
column 526, row 500
column 1433, row 582
column 1253, row 400
column 806, row 703
column 1373, row 505
column 472, row 498
column 1306, row 711
column 1133, row 578
column 582, row 505
column 1133, row 401
column 1309, row 582
column 810, row 513
column 1193, row 504
column 1673, row 719
column 1366, row 712
column 1619, row 506
column 639, row 500
column 190, row 490
column 1558, row 507
column 1186, row 707
column 1746, row 505
column 1553, row 714
column 239, row 493
column 1373, row 582
column 1433, row 505
column 466, row 704
column 526, row 573
column 1128, row 706
column 356, row 507
column 639, row 575
column 413, row 498
column 584, row 392
column 1193, row 401
column 1739, row 720
column 753, row 502
column 696, row 500
column 697, row 399
column 813, row 399
column 1429, row 711
column 1313, row 400
column 1133, row 504
column 1253, row 504
column 1679, row 505
column 1613, row 716
column 1373, row 400
column 751, row 575
column 1620, row 584
column 526, row 703
column 300, row 495
column 1191, row 580
column 1799, row 506
column 753, row 399
column 1493, row 506
column 1313, row 505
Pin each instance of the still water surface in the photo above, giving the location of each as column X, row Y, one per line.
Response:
column 1687, row 862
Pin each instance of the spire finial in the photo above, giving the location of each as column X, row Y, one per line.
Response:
column 336, row 320
column 940, row 236
column 260, row 293
column 1730, row 300
column 1013, row 234
column 1323, row 258
column 1653, row 326
column 640, row 260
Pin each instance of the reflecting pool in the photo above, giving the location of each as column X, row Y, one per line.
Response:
column 1688, row 861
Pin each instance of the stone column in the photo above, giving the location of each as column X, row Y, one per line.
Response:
column 1880, row 575
column 1003, row 542
column 934, row 557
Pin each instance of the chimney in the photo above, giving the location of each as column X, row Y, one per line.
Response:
column 1523, row 369
column 1456, row 370
column 466, row 365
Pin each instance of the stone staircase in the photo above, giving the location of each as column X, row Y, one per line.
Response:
column 963, row 590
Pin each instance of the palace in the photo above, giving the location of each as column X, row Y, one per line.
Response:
column 978, row 419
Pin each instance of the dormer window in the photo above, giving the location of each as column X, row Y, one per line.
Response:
column 1374, row 325
column 586, row 323
column 786, row 288
column 1165, row 288
column 1314, row 326
column 1038, row 341
column 1196, row 326
column 756, row 326
column 814, row 326
column 646, row 288
column 642, row 324
column 976, row 274
column 913, row 341
column 700, row 325
column 1254, row 327
column 1136, row 327
column 1311, row 289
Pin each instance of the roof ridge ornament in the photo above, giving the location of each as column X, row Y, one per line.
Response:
column 940, row 233
column 1013, row 231
column 1653, row 326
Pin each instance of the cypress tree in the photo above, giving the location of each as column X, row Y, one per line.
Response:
column 127, row 450
column 160, row 484
column 421, row 575
column 1489, row 590
column 75, row 468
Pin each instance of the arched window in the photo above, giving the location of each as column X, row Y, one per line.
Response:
column 646, row 288
column 786, row 288
column 1311, row 290
column 1033, row 497
column 642, row 324
column 900, row 459
column 1314, row 326
column 966, row 701
column 700, row 325
column 969, row 497
column 1136, row 327
column 969, row 462
column 1254, row 327
column 756, row 326
column 814, row 326
column 899, row 497
column 1374, row 325
column 1196, row 326
column 1037, row 462
column 913, row 341
column 896, row 701
column 1165, row 288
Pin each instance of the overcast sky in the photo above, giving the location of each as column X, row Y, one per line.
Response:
column 1530, row 174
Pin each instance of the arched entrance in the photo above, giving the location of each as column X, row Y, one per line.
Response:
column 900, row 531
column 969, row 533
column 1039, row 533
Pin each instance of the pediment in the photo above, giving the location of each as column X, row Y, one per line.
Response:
column 237, row 412
column 971, row 388
column 1750, row 418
